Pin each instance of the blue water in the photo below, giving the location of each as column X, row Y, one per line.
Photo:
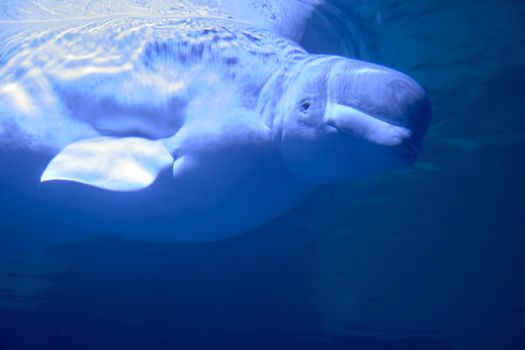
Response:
column 424, row 258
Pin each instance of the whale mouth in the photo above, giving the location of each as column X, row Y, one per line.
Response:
column 372, row 130
column 362, row 125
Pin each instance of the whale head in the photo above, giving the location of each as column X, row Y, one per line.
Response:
column 339, row 119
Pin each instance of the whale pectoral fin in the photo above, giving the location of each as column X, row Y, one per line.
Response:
column 116, row 164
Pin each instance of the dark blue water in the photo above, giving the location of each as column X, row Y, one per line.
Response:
column 426, row 258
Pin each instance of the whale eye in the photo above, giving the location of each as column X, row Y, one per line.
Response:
column 305, row 106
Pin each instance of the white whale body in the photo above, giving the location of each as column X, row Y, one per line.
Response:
column 220, row 96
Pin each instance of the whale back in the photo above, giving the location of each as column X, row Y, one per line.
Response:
column 285, row 17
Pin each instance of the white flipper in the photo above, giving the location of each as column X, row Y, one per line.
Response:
column 117, row 164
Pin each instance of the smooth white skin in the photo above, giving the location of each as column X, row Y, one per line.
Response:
column 234, row 171
column 241, row 148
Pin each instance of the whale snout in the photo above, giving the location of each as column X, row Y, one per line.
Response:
column 397, row 99
column 382, row 106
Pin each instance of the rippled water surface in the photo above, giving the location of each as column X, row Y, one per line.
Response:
column 425, row 258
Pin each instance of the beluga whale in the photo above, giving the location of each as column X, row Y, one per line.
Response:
column 216, row 99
